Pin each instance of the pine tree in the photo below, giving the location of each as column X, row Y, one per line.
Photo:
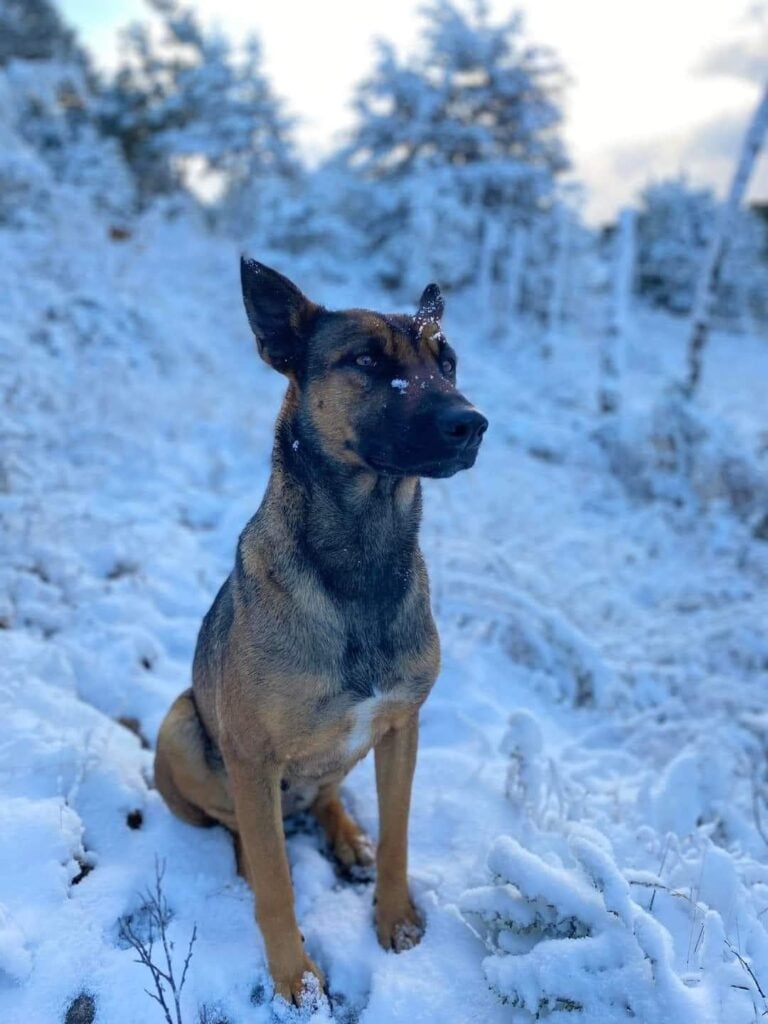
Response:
column 184, row 108
column 34, row 30
column 463, row 134
column 674, row 227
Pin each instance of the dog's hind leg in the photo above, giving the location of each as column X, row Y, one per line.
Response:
column 349, row 844
column 195, row 791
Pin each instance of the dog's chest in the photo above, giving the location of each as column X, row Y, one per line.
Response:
column 379, row 655
column 375, row 688
column 345, row 730
column 369, row 719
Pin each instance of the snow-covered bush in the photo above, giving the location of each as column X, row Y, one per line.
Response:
column 568, row 942
column 743, row 290
column 538, row 787
column 25, row 181
column 524, row 744
column 53, row 113
column 569, row 667
column 681, row 454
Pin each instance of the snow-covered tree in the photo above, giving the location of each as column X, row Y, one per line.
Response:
column 462, row 143
column 311, row 216
column 675, row 226
column 186, row 108
column 49, row 99
column 673, row 229
column 34, row 30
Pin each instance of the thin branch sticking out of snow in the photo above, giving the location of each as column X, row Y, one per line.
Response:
column 158, row 915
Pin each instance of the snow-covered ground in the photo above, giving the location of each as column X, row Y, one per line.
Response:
column 586, row 831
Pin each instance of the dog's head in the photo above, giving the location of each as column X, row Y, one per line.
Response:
column 376, row 391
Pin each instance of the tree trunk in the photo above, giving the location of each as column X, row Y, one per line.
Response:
column 718, row 247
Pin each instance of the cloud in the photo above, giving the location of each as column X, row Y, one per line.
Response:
column 706, row 154
column 745, row 60
column 745, row 56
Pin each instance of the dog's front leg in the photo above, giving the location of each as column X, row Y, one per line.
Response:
column 256, row 794
column 398, row 923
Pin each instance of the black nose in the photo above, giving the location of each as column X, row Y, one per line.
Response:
column 462, row 427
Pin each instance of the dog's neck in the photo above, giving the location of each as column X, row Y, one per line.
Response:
column 357, row 529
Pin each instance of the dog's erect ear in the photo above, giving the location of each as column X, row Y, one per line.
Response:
column 279, row 314
column 431, row 306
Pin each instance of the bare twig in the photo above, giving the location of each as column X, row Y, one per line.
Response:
column 157, row 913
column 749, row 971
column 664, row 852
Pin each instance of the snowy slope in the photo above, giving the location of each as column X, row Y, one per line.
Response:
column 584, row 838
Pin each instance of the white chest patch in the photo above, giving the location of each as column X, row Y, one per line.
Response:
column 360, row 735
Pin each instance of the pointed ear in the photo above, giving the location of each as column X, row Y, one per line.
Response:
column 280, row 315
column 431, row 305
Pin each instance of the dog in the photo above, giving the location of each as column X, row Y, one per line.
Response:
column 321, row 644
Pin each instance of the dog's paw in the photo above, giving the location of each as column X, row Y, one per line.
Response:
column 353, row 851
column 398, row 928
column 348, row 845
column 303, row 986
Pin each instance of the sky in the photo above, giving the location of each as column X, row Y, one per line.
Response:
column 657, row 87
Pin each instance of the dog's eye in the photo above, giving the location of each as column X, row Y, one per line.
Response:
column 365, row 361
column 448, row 366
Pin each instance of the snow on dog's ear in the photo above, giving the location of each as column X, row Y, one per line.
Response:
column 279, row 314
column 431, row 306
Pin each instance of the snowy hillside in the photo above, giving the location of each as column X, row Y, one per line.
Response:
column 588, row 794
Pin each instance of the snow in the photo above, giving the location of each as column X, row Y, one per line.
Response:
column 596, row 727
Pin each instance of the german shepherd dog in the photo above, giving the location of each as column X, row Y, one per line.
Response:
column 321, row 642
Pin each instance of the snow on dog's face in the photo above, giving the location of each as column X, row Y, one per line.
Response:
column 375, row 391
